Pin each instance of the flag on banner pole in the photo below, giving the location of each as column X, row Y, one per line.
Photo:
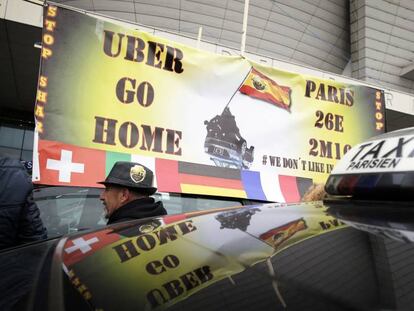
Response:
column 260, row 86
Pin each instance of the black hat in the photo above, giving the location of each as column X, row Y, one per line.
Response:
column 131, row 175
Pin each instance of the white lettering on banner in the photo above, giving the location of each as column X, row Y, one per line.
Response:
column 65, row 166
column 82, row 245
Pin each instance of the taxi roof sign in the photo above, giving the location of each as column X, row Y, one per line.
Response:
column 382, row 167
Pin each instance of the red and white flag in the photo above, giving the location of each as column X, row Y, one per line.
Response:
column 80, row 247
column 260, row 86
column 62, row 164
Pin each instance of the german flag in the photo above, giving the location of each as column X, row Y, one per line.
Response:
column 186, row 177
column 259, row 86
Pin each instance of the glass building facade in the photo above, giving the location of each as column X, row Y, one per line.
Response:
column 16, row 141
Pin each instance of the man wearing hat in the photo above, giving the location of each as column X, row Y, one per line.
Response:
column 127, row 193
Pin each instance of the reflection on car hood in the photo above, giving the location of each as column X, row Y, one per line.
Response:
column 391, row 219
column 158, row 262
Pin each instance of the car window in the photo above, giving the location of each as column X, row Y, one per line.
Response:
column 71, row 209
column 177, row 203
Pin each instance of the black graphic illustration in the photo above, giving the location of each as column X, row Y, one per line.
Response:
column 239, row 219
column 225, row 145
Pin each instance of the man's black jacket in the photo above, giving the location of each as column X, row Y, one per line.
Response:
column 137, row 209
column 19, row 215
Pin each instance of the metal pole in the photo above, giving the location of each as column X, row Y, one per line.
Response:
column 244, row 31
column 200, row 32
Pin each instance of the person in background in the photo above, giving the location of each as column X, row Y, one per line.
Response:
column 127, row 193
column 316, row 192
column 20, row 220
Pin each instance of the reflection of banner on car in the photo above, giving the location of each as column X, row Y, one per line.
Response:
column 151, row 268
column 281, row 234
column 63, row 164
column 78, row 248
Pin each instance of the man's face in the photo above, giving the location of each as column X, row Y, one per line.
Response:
column 112, row 198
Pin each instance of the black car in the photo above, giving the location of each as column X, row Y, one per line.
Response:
column 263, row 257
column 352, row 251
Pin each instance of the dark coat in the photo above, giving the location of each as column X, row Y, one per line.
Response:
column 137, row 209
column 20, row 220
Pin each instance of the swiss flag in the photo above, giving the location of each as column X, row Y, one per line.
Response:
column 61, row 164
column 80, row 247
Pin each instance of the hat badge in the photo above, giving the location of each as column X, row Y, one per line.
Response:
column 137, row 173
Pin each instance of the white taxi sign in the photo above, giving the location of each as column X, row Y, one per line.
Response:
column 385, row 154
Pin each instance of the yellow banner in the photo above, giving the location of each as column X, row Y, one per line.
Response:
column 120, row 91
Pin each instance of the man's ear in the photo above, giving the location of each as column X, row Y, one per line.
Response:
column 125, row 195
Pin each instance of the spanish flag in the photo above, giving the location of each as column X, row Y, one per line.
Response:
column 259, row 86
